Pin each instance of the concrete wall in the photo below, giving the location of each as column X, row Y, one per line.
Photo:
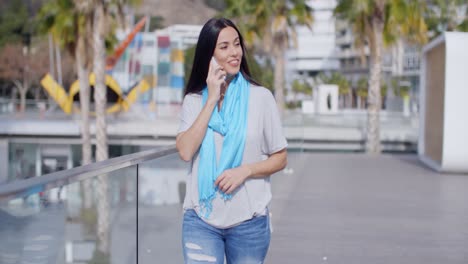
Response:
column 455, row 151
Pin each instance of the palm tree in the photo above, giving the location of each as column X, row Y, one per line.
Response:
column 100, row 89
column 83, row 65
column 446, row 15
column 103, row 28
column 301, row 86
column 104, row 25
column 271, row 24
column 362, row 91
column 75, row 23
column 100, row 92
column 379, row 22
column 69, row 24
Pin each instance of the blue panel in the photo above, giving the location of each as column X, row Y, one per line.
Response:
column 177, row 82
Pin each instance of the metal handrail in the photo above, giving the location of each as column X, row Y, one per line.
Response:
column 65, row 177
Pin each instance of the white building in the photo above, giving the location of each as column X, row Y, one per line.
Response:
column 187, row 34
column 400, row 60
column 316, row 48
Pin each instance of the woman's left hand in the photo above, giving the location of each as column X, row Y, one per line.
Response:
column 230, row 179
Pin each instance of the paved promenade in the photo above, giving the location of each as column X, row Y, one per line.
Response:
column 346, row 209
column 356, row 209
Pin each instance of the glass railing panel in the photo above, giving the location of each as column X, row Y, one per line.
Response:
column 161, row 191
column 28, row 160
column 58, row 226
column 32, row 228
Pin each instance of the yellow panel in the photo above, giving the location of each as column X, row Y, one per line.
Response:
column 142, row 87
column 115, row 108
column 75, row 88
column 177, row 55
column 111, row 82
column 57, row 93
column 65, row 101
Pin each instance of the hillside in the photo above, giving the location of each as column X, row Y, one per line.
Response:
column 177, row 11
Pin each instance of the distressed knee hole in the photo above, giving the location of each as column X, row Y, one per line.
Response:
column 201, row 257
column 192, row 246
column 250, row 261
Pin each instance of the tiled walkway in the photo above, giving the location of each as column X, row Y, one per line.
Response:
column 358, row 209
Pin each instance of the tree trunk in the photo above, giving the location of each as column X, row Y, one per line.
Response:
column 22, row 93
column 374, row 99
column 22, row 89
column 84, row 106
column 101, row 126
column 279, row 79
column 14, row 98
column 100, row 91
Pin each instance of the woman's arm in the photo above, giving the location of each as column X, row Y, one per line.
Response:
column 188, row 142
column 230, row 179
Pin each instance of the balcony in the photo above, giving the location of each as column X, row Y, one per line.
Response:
column 344, row 39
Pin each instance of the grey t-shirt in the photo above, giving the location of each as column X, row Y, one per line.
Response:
column 264, row 137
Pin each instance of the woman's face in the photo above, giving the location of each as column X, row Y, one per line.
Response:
column 228, row 50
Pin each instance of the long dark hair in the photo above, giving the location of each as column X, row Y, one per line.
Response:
column 205, row 48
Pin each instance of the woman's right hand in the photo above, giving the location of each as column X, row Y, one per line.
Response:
column 214, row 80
column 189, row 142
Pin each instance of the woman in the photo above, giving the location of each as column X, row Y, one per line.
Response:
column 231, row 132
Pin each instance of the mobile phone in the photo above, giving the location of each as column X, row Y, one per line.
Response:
column 215, row 63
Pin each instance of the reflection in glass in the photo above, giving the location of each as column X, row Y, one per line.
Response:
column 54, row 227
column 161, row 191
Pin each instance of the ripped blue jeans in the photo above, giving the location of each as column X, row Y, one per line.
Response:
column 246, row 243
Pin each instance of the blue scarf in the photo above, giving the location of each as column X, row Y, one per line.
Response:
column 231, row 122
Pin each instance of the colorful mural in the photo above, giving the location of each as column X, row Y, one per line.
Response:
column 146, row 68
